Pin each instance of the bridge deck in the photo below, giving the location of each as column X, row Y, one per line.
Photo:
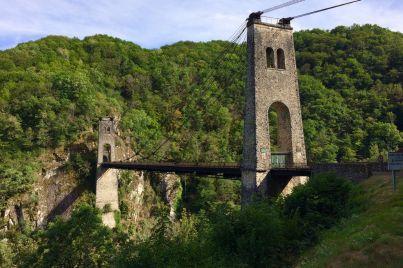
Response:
column 232, row 170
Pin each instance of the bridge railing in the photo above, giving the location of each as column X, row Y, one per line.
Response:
column 269, row 20
column 182, row 164
column 281, row 159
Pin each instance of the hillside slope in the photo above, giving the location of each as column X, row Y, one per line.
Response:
column 188, row 99
column 370, row 239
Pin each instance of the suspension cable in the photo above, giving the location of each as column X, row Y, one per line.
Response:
column 286, row 4
column 228, row 48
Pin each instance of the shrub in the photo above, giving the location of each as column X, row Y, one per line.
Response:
column 6, row 254
column 124, row 209
column 107, row 208
column 319, row 204
column 82, row 241
column 253, row 235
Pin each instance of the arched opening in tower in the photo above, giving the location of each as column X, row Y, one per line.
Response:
column 280, row 59
column 106, row 155
column 270, row 57
column 280, row 135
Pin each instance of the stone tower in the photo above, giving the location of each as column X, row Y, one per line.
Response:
column 271, row 83
column 106, row 140
column 107, row 179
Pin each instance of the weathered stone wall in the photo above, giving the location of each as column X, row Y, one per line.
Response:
column 265, row 87
column 107, row 137
column 352, row 171
column 107, row 198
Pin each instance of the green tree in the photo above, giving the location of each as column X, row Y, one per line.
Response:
column 144, row 131
column 82, row 241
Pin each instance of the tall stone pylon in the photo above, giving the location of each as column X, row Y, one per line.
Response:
column 272, row 82
column 107, row 179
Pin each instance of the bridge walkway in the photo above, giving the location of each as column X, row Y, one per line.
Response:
column 226, row 170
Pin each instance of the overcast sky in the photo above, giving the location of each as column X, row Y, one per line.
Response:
column 152, row 23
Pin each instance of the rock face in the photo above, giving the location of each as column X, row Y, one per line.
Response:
column 172, row 191
column 52, row 188
column 53, row 194
column 142, row 195
column 136, row 197
column 59, row 186
column 112, row 148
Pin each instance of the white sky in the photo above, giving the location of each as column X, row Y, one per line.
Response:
column 154, row 23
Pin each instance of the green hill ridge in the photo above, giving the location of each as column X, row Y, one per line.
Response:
column 188, row 99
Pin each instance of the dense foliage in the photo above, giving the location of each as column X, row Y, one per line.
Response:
column 264, row 234
column 186, row 99
column 371, row 238
column 185, row 102
column 351, row 91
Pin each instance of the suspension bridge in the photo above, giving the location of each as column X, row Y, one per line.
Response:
column 272, row 83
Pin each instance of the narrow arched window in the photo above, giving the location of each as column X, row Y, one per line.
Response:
column 106, row 154
column 270, row 57
column 280, row 59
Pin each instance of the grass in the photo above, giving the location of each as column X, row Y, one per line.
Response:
column 373, row 238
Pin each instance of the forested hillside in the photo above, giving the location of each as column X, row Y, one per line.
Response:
column 54, row 90
column 351, row 91
column 185, row 102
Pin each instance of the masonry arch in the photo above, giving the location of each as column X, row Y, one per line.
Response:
column 270, row 57
column 280, row 134
column 280, row 59
column 106, row 153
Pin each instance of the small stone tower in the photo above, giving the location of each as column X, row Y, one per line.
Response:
column 106, row 140
column 271, row 83
column 107, row 179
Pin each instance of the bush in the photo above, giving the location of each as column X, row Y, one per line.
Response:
column 320, row 203
column 253, row 235
column 107, row 208
column 6, row 254
column 82, row 241
column 171, row 244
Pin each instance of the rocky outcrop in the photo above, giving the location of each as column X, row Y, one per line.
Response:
column 58, row 186
column 172, row 192
column 143, row 197
column 136, row 196
column 53, row 193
